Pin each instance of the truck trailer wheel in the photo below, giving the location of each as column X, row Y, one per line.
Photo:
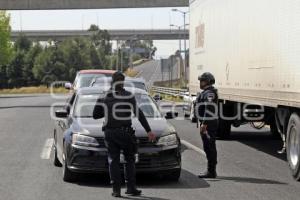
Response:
column 224, row 129
column 293, row 145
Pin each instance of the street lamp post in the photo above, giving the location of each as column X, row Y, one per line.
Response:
column 184, row 29
column 132, row 40
column 179, row 28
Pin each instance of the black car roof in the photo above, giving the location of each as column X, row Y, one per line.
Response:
column 101, row 90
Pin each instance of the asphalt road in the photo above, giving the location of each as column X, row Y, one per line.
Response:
column 150, row 71
column 249, row 167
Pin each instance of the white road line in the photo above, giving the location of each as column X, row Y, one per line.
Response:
column 45, row 155
column 193, row 147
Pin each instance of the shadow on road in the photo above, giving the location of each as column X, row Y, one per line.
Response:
column 187, row 181
column 261, row 141
column 248, row 180
column 28, row 106
column 18, row 96
column 143, row 198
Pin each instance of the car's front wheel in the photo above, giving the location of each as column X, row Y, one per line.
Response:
column 68, row 175
column 55, row 159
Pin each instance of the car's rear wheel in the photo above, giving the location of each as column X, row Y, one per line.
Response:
column 68, row 175
column 173, row 175
column 55, row 159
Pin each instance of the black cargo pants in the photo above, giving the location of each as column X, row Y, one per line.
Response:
column 209, row 146
column 116, row 140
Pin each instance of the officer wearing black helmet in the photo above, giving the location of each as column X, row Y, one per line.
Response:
column 117, row 108
column 207, row 113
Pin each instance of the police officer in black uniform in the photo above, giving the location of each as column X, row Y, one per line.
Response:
column 117, row 108
column 207, row 107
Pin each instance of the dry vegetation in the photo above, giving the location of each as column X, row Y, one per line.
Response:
column 33, row 90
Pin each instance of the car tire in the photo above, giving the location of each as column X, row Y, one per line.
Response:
column 55, row 159
column 68, row 175
column 186, row 115
column 224, row 129
column 173, row 175
column 293, row 145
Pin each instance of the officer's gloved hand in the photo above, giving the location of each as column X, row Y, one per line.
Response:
column 151, row 136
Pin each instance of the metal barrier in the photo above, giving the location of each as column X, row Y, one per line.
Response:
column 169, row 91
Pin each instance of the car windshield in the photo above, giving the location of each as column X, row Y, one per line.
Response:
column 130, row 84
column 84, row 80
column 135, row 84
column 85, row 104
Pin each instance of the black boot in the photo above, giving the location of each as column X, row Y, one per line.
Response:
column 133, row 192
column 210, row 173
column 116, row 192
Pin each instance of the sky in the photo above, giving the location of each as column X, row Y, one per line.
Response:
column 143, row 18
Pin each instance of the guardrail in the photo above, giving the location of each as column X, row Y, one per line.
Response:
column 170, row 91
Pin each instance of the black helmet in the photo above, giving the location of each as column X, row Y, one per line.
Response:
column 118, row 76
column 208, row 77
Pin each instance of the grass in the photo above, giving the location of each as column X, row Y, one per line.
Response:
column 175, row 83
column 139, row 62
column 33, row 90
column 131, row 72
column 168, row 97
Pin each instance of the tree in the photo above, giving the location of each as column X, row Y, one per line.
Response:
column 15, row 70
column 5, row 45
column 76, row 55
column 26, row 63
column 23, row 43
column 95, row 58
column 3, row 77
column 101, row 41
column 30, row 58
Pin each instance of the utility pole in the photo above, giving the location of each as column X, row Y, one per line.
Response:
column 179, row 28
column 185, row 49
column 118, row 52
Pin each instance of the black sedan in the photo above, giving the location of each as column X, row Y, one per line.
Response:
column 79, row 145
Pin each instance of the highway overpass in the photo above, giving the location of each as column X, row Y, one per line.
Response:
column 59, row 35
column 87, row 4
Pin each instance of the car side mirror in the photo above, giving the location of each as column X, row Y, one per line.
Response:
column 61, row 113
column 68, row 86
column 171, row 115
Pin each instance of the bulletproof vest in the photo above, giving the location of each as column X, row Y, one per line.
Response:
column 205, row 102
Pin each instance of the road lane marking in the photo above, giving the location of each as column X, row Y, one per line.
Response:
column 193, row 147
column 45, row 155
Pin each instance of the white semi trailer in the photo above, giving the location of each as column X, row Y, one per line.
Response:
column 253, row 49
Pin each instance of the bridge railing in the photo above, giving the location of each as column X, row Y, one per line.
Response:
column 170, row 91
